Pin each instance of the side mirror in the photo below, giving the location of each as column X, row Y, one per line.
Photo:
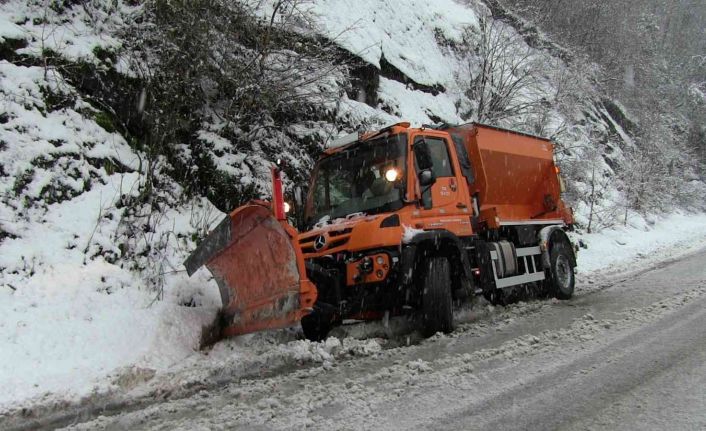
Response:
column 426, row 178
column 425, row 174
column 423, row 155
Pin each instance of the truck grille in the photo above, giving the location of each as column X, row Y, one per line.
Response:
column 335, row 239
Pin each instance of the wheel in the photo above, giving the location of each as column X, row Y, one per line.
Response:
column 560, row 280
column 504, row 296
column 437, row 302
column 494, row 296
column 316, row 326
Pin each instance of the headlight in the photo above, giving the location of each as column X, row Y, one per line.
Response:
column 392, row 175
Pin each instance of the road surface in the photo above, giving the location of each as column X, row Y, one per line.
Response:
column 625, row 354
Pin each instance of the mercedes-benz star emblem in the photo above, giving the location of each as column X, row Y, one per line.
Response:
column 319, row 242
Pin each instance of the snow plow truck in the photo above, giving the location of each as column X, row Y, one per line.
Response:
column 401, row 221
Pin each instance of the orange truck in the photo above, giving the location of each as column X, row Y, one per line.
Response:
column 405, row 221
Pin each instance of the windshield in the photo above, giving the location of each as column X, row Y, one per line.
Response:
column 367, row 178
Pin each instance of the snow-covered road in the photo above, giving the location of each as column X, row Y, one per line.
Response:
column 627, row 353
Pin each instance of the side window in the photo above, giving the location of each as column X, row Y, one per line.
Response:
column 439, row 157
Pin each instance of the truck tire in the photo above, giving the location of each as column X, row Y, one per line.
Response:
column 505, row 296
column 437, row 301
column 560, row 276
column 316, row 326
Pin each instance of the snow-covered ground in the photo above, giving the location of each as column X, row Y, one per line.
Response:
column 641, row 243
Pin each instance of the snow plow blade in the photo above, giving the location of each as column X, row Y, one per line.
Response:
column 259, row 268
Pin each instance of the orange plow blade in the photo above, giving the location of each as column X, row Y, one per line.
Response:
column 259, row 268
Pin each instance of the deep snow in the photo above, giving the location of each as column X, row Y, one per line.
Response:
column 643, row 242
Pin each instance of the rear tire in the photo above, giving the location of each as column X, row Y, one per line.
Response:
column 437, row 301
column 505, row 296
column 560, row 278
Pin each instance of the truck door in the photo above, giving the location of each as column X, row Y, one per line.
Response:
column 444, row 192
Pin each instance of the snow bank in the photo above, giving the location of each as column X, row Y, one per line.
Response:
column 641, row 243
column 73, row 313
column 68, row 330
column 70, row 319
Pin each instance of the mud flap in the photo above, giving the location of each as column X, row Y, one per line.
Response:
column 259, row 269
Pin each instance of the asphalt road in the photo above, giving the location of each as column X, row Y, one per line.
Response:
column 627, row 354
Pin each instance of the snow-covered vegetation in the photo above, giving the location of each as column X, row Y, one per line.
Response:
column 127, row 128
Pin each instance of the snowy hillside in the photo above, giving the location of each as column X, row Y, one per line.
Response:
column 102, row 196
column 74, row 307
